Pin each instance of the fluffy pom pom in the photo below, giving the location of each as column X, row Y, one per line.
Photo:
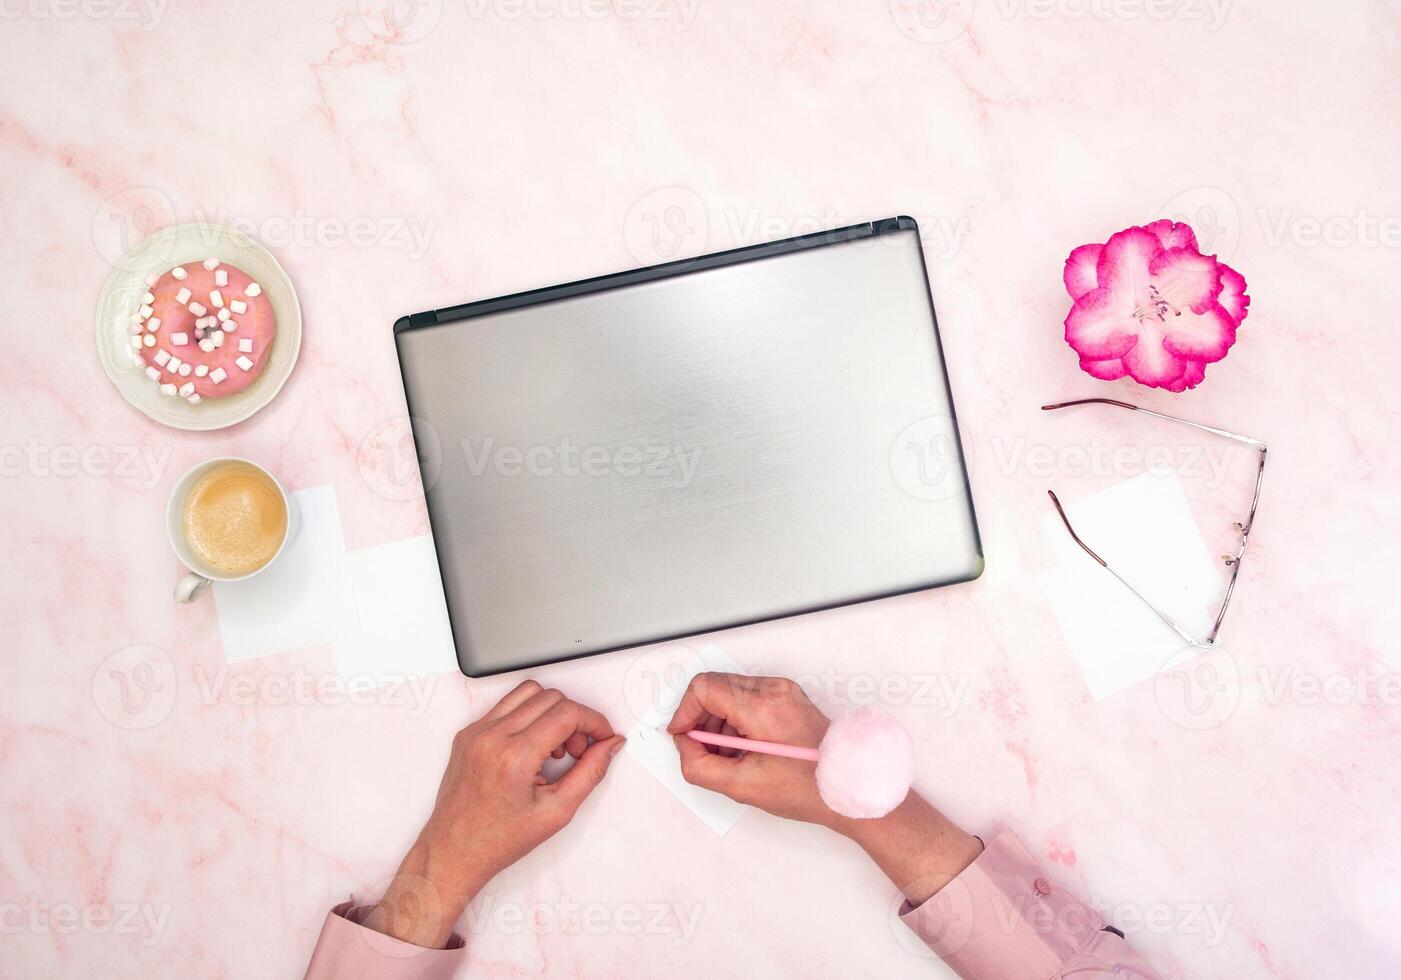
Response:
column 866, row 765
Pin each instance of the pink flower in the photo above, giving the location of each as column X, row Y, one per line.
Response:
column 1149, row 305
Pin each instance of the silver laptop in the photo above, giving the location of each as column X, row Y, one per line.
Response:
column 689, row 447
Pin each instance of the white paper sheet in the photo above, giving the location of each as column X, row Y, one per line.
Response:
column 649, row 744
column 402, row 618
column 302, row 600
column 1144, row 529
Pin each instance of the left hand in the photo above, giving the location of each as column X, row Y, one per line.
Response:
column 494, row 806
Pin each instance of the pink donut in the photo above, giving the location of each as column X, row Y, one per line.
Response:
column 173, row 305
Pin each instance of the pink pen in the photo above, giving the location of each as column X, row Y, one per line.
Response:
column 754, row 745
column 864, row 765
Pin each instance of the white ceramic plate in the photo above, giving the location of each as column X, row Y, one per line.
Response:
column 121, row 296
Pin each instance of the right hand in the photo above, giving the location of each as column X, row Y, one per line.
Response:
column 917, row 847
column 772, row 709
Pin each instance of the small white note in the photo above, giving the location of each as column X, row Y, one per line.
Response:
column 403, row 627
column 651, row 745
column 1144, row 529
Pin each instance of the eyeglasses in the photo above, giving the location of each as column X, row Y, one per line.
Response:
column 1242, row 527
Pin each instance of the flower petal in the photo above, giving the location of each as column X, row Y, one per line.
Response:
column 1233, row 296
column 1101, row 325
column 1123, row 265
column 1110, row 369
column 1149, row 362
column 1200, row 336
column 1186, row 278
column 1079, row 273
column 1174, row 234
column 1191, row 377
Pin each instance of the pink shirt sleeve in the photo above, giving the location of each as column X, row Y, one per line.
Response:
column 1002, row 919
column 347, row 950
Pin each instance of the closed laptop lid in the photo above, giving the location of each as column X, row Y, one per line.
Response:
column 690, row 447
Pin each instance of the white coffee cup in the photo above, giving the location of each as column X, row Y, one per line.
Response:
column 201, row 574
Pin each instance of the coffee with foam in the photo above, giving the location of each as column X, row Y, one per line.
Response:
column 235, row 519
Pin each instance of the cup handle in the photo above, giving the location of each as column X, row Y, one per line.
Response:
column 189, row 587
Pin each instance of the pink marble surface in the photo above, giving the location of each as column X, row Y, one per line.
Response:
column 194, row 820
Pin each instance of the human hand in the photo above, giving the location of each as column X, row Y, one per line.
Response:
column 494, row 806
column 771, row 709
column 918, row 848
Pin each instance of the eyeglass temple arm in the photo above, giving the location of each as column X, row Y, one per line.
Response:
column 1169, row 418
column 1066, row 521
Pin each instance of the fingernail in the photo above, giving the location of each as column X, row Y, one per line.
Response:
column 617, row 746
